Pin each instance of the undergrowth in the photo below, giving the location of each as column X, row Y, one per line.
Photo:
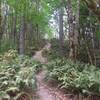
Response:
column 75, row 77
column 17, row 74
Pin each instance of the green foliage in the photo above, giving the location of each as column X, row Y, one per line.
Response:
column 6, row 45
column 75, row 77
column 36, row 14
column 54, row 51
column 16, row 74
column 98, row 33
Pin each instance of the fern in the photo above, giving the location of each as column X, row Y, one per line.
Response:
column 76, row 77
column 16, row 74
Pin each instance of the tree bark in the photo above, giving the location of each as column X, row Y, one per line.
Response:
column 13, row 32
column 22, row 37
column 1, row 33
column 73, row 22
column 76, row 30
column 71, row 31
column 61, row 33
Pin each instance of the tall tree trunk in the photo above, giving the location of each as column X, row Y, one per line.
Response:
column 73, row 22
column 1, row 33
column 37, row 25
column 61, row 33
column 13, row 31
column 92, row 42
column 71, row 31
column 22, row 37
column 76, row 30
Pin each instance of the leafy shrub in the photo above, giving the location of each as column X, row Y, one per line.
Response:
column 76, row 77
column 16, row 74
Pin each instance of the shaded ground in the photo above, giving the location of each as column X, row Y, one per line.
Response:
column 44, row 91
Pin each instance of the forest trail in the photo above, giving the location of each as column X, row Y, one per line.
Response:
column 39, row 56
column 42, row 92
column 45, row 92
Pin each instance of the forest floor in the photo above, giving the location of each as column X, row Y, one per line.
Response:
column 44, row 91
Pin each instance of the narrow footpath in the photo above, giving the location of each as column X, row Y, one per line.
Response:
column 45, row 92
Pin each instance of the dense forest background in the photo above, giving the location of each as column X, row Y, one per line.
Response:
column 25, row 24
column 71, row 28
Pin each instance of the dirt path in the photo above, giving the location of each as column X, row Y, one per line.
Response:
column 42, row 92
column 45, row 92
column 39, row 56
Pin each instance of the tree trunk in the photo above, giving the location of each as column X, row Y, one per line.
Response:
column 71, row 32
column 0, row 25
column 22, row 37
column 13, row 32
column 76, row 30
column 61, row 33
column 73, row 22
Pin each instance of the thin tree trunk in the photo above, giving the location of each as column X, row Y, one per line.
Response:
column 14, row 18
column 76, row 32
column 22, row 37
column 1, row 33
column 93, row 45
